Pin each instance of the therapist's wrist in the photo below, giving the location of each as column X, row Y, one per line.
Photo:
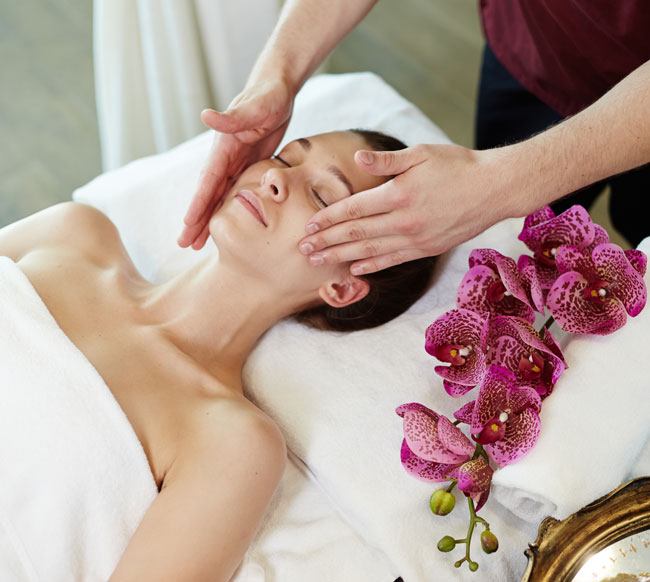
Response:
column 531, row 174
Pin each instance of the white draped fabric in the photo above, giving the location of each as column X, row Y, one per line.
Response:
column 158, row 63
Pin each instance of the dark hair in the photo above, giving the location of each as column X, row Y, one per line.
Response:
column 392, row 291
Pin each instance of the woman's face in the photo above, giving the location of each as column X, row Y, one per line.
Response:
column 264, row 214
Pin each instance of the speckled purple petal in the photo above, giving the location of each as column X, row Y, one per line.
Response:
column 421, row 434
column 491, row 399
column 474, row 294
column 521, row 435
column 574, row 314
column 474, row 479
column 638, row 260
column 522, row 397
column 472, row 291
column 453, row 439
column 453, row 389
column 573, row 226
column 613, row 265
column 544, row 214
column 574, row 258
column 530, row 282
column 510, row 339
column 421, row 469
column 462, row 327
column 464, row 414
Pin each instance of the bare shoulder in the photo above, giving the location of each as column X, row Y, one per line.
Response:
column 236, row 427
column 65, row 224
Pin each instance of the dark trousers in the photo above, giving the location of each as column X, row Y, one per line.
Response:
column 508, row 113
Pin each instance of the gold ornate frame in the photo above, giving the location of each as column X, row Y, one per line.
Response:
column 562, row 547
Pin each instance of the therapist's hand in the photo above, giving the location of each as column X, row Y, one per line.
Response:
column 442, row 195
column 250, row 130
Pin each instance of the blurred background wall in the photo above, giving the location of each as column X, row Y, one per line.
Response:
column 429, row 50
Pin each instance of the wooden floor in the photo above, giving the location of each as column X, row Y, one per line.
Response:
column 429, row 50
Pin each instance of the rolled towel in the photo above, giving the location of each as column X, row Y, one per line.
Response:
column 595, row 426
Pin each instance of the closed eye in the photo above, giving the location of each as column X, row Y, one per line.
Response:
column 319, row 200
column 315, row 194
column 287, row 164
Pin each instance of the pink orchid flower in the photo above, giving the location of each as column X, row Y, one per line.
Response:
column 458, row 338
column 504, row 418
column 433, row 446
column 492, row 287
column 543, row 233
column 474, row 479
column 535, row 358
column 597, row 290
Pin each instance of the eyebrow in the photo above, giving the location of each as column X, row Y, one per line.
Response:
column 306, row 145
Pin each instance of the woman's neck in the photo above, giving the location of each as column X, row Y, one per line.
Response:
column 216, row 315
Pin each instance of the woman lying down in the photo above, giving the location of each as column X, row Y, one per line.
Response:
column 172, row 354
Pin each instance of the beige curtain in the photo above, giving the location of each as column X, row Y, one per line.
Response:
column 158, row 63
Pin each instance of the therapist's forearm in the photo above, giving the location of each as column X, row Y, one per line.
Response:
column 306, row 32
column 609, row 137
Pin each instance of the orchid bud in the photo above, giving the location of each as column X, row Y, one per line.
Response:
column 489, row 542
column 473, row 566
column 442, row 502
column 446, row 544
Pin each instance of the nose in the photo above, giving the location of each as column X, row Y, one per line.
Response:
column 275, row 184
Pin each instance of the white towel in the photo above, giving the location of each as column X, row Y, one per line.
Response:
column 74, row 479
column 594, row 426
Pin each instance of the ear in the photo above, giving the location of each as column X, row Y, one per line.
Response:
column 343, row 293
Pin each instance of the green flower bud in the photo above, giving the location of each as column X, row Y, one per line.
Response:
column 442, row 502
column 473, row 566
column 489, row 542
column 446, row 544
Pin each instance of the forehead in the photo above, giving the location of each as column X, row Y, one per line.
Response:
column 337, row 149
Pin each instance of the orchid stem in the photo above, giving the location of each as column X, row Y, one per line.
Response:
column 474, row 519
column 451, row 486
column 548, row 323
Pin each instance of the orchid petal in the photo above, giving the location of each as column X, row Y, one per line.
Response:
column 452, row 388
column 453, row 439
column 521, row 398
column 521, row 435
column 613, row 265
column 573, row 313
column 464, row 414
column 421, row 434
column 638, row 260
column 574, row 258
column 421, row 469
column 573, row 226
column 473, row 288
column 474, row 479
column 530, row 282
column 492, row 397
column 544, row 214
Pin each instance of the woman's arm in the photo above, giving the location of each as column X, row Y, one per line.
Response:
column 211, row 504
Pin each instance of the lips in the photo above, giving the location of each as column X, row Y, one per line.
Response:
column 253, row 204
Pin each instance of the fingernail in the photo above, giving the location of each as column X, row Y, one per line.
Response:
column 366, row 157
column 358, row 269
column 316, row 260
column 311, row 228
column 306, row 248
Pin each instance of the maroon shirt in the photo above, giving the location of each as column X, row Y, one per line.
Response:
column 568, row 52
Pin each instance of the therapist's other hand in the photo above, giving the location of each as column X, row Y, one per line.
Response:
column 442, row 195
column 248, row 131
